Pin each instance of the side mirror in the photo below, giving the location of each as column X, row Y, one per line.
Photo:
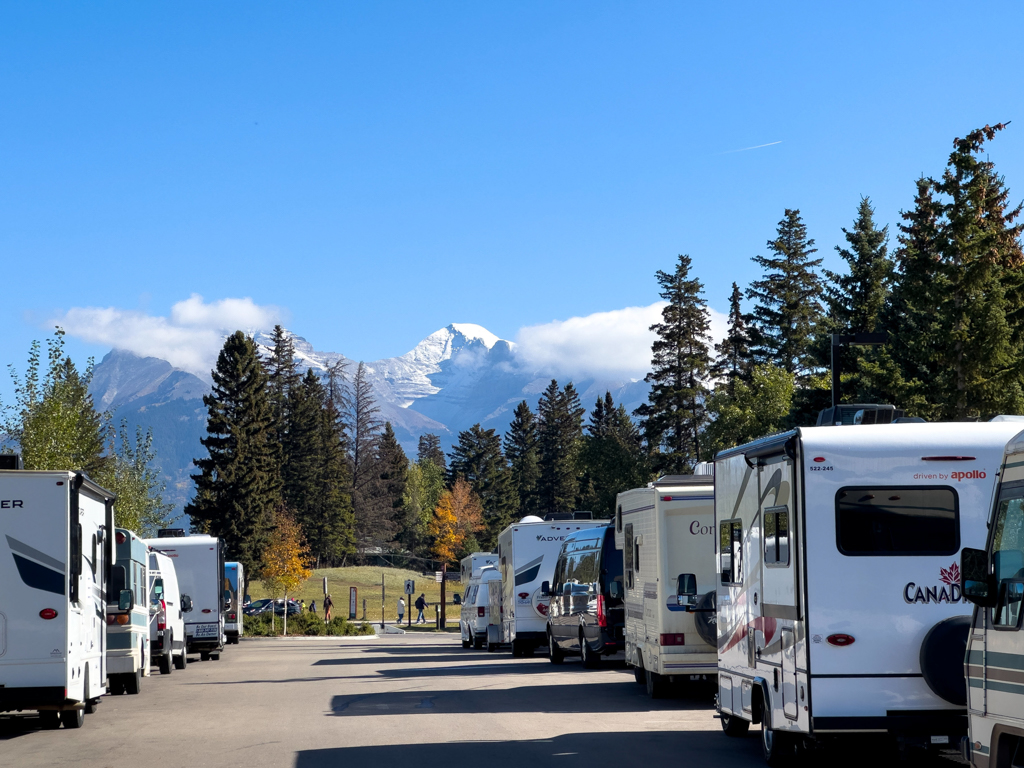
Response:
column 977, row 584
column 686, row 585
column 186, row 604
column 545, row 588
column 125, row 600
column 615, row 590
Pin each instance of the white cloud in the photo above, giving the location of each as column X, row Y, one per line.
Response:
column 615, row 344
column 189, row 339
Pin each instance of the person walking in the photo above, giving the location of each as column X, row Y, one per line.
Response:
column 312, row 607
column 401, row 609
column 421, row 606
column 328, row 604
column 302, row 606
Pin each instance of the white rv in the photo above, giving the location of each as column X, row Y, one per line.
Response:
column 476, row 607
column 471, row 565
column 199, row 566
column 167, row 623
column 839, row 605
column 666, row 534
column 56, row 548
column 128, row 627
column 527, row 552
column 993, row 579
column 234, row 586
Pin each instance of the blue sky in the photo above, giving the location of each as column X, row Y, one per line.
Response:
column 378, row 170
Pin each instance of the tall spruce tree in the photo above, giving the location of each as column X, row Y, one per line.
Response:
column 477, row 459
column 394, row 471
column 523, row 453
column 282, row 378
column 732, row 362
column 674, row 415
column 239, row 484
column 560, row 434
column 787, row 308
column 371, row 504
column 328, row 523
column 613, row 459
column 300, row 445
column 430, row 448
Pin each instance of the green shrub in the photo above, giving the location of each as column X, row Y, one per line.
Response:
column 302, row 624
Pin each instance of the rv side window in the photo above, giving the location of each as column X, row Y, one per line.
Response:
column 897, row 520
column 627, row 549
column 1008, row 562
column 730, row 534
column 618, row 518
column 118, row 580
column 776, row 536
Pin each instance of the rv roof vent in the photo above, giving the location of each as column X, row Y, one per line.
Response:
column 909, row 420
column 1007, row 417
column 11, row 461
column 859, row 413
column 170, row 533
column 532, row 519
column 704, row 468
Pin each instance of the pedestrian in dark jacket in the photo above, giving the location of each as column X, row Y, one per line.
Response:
column 421, row 606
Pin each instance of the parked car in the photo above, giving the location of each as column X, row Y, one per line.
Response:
column 293, row 608
column 257, row 607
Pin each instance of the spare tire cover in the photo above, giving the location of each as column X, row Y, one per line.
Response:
column 707, row 620
column 942, row 659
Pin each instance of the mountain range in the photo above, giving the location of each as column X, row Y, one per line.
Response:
column 456, row 377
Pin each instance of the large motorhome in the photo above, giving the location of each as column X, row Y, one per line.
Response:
column 234, row 587
column 55, row 555
column 527, row 551
column 128, row 654
column 199, row 565
column 666, row 534
column 470, row 565
column 993, row 579
column 839, row 605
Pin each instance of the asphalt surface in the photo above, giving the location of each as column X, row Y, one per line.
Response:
column 399, row 700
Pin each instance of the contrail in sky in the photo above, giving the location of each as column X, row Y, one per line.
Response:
column 747, row 149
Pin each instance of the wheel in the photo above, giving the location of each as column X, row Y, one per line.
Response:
column 735, row 726
column 529, row 649
column 555, row 654
column 204, row 655
column 215, row 656
column 778, row 748
column 91, row 706
column 492, row 647
column 72, row 718
column 180, row 661
column 657, row 685
column 517, row 649
column 165, row 665
column 133, row 683
column 638, row 671
column 478, row 643
column 50, row 720
column 115, row 684
column 589, row 659
column 467, row 641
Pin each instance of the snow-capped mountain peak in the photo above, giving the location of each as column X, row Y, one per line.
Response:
column 444, row 344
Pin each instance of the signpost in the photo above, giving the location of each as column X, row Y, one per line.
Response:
column 382, row 598
column 352, row 600
column 410, row 590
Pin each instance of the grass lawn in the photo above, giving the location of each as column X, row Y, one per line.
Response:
column 366, row 579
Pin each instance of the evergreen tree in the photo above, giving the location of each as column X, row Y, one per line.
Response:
column 559, row 433
column 394, row 469
column 430, row 448
column 238, row 486
column 674, row 414
column 133, row 477
column 282, row 379
column 371, row 505
column 424, row 485
column 328, row 523
column 301, row 446
column 477, row 459
column 733, row 362
column 787, row 308
column 523, row 454
column 612, row 457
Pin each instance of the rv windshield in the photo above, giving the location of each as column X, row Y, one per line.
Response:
column 897, row 521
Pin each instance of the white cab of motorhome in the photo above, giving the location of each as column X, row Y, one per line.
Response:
column 666, row 534
column 199, row 566
column 128, row 650
column 839, row 603
column 494, row 615
column 234, row 584
column 993, row 579
column 476, row 607
column 167, row 620
column 527, row 552
column 471, row 565
column 56, row 548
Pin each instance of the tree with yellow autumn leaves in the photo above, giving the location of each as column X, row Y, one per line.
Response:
column 286, row 560
column 458, row 516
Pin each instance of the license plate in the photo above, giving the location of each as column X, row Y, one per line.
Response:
column 940, row 739
column 205, row 630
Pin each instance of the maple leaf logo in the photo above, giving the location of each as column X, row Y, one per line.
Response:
column 950, row 575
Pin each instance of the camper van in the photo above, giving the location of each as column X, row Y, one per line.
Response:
column 168, row 607
column 527, row 551
column 56, row 548
column 993, row 579
column 494, row 614
column 128, row 630
column 840, row 610
column 199, row 566
column 472, row 564
column 234, row 586
column 476, row 607
column 666, row 534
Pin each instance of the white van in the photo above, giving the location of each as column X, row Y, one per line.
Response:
column 666, row 534
column 839, row 603
column 199, row 566
column 167, row 622
column 993, row 579
column 128, row 650
column 476, row 607
column 527, row 552
column 56, row 548
column 234, row 586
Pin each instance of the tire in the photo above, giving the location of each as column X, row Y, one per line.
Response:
column 204, row 655
column 91, row 705
column 942, row 659
column 638, row 671
column 115, row 684
column 492, row 647
column 467, row 643
column 588, row 658
column 555, row 654
column 657, row 685
column 133, row 683
column 165, row 665
column 734, row 726
column 478, row 643
column 180, row 662
column 517, row 649
column 779, row 749
column 50, row 720
column 72, row 718
column 215, row 656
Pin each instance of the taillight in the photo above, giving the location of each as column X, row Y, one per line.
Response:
column 673, row 638
column 231, row 617
column 123, row 618
column 839, row 640
column 110, row 619
column 480, row 611
column 602, row 615
column 48, row 613
column 161, row 621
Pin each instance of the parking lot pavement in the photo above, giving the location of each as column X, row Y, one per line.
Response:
column 412, row 699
